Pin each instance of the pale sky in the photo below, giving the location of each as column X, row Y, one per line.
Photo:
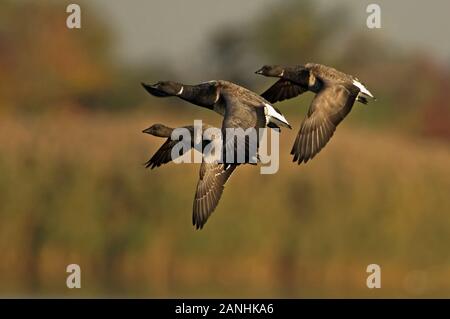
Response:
column 176, row 29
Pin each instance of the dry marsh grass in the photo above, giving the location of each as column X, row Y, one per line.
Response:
column 73, row 190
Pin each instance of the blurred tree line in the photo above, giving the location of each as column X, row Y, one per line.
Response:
column 47, row 67
column 412, row 88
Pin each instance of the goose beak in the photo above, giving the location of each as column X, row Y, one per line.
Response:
column 154, row 90
column 259, row 71
column 147, row 131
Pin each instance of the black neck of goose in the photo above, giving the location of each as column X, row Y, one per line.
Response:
column 201, row 95
column 298, row 76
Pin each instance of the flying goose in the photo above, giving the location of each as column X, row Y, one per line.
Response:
column 164, row 154
column 336, row 92
column 240, row 108
column 212, row 176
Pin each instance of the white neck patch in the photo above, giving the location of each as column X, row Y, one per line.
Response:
column 181, row 90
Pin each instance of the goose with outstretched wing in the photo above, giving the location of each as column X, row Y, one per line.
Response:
column 241, row 109
column 336, row 92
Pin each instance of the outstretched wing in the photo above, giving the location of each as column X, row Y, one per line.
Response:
column 213, row 177
column 164, row 154
column 282, row 90
column 241, row 114
column 327, row 110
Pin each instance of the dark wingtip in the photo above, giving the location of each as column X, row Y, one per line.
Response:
column 145, row 85
column 148, row 87
column 147, row 164
column 197, row 223
column 151, row 164
column 297, row 158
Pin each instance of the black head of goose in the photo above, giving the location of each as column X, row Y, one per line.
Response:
column 212, row 176
column 335, row 91
column 159, row 130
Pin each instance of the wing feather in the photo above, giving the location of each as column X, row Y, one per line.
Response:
column 211, row 184
column 163, row 155
column 282, row 90
column 327, row 110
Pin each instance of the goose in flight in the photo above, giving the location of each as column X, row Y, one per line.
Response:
column 336, row 92
column 212, row 176
column 241, row 109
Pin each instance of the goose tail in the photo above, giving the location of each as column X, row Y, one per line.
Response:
column 274, row 116
column 363, row 91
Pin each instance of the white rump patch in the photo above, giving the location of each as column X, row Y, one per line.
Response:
column 362, row 88
column 273, row 116
column 209, row 82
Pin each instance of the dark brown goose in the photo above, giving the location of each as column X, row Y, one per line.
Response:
column 241, row 108
column 336, row 92
column 164, row 154
column 213, row 176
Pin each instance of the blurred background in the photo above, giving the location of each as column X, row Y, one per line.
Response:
column 73, row 188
